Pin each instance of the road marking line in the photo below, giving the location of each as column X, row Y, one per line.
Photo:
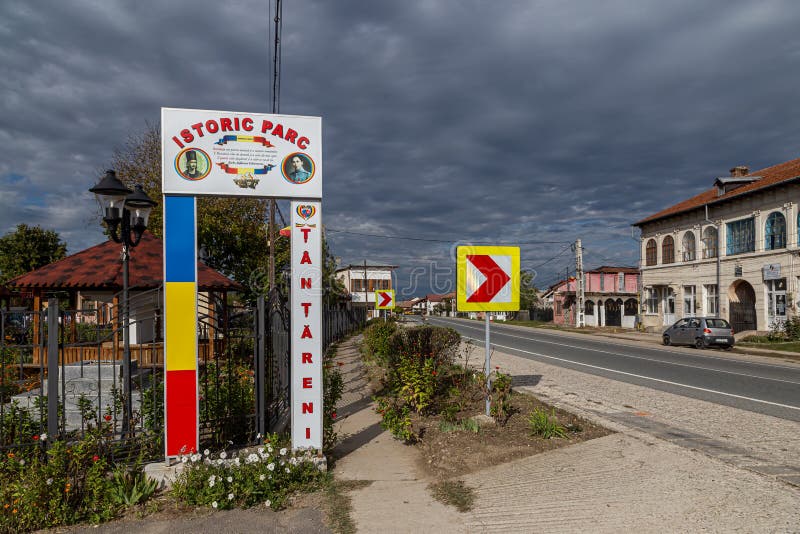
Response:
column 642, row 358
column 646, row 377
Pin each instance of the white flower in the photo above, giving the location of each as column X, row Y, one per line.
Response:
column 293, row 461
column 283, row 452
column 184, row 459
column 42, row 436
column 261, row 477
column 269, row 449
column 271, row 467
column 206, row 452
column 223, row 455
column 287, row 470
column 236, row 461
column 252, row 458
column 229, row 479
column 261, row 450
column 230, row 496
column 214, row 504
column 258, row 436
column 49, row 481
column 220, row 461
column 196, row 457
column 267, row 503
column 22, row 462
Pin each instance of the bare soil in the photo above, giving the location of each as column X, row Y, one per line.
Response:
column 450, row 454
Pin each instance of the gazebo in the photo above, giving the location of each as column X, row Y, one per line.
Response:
column 94, row 276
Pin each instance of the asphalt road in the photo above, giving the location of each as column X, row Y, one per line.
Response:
column 709, row 375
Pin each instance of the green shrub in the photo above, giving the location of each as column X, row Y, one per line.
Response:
column 501, row 398
column 396, row 419
column 264, row 475
column 376, row 339
column 130, row 486
column 333, row 387
column 65, row 485
column 546, row 426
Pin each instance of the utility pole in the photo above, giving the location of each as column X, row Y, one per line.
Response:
column 276, row 85
column 366, row 295
column 580, row 319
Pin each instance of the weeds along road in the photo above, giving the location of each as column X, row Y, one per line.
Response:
column 710, row 375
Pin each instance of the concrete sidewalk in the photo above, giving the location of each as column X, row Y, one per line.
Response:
column 652, row 477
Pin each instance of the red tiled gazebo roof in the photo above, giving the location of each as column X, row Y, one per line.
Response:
column 100, row 267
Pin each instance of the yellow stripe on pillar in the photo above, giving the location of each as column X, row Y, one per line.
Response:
column 180, row 323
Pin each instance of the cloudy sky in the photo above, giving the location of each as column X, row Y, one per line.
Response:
column 444, row 122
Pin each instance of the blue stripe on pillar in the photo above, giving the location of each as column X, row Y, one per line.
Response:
column 180, row 263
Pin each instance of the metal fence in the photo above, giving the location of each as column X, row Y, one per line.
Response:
column 67, row 384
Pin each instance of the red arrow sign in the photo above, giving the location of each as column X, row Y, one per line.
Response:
column 496, row 278
column 386, row 299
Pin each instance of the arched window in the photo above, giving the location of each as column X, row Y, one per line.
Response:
column 651, row 254
column 589, row 308
column 631, row 307
column 689, row 247
column 710, row 240
column 775, row 231
column 668, row 250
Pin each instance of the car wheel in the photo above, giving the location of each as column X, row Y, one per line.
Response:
column 667, row 340
column 699, row 343
column 728, row 347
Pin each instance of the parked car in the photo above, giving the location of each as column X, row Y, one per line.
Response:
column 700, row 332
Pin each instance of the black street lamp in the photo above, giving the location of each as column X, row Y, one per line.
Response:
column 126, row 213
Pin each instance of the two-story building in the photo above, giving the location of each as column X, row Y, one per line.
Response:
column 362, row 281
column 728, row 251
column 611, row 297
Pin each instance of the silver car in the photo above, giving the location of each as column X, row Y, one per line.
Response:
column 700, row 332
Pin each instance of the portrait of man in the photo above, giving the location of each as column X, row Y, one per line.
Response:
column 298, row 169
column 191, row 171
column 193, row 164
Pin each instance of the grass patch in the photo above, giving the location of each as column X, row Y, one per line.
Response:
column 338, row 505
column 453, row 493
column 546, row 426
column 467, row 425
column 787, row 346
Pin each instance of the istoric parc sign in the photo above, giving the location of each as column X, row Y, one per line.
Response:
column 221, row 153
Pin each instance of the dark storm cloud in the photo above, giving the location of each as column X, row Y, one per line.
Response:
column 465, row 121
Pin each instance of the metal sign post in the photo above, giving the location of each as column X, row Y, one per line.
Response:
column 488, row 368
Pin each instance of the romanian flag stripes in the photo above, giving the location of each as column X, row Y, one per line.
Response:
column 244, row 139
column 241, row 170
column 180, row 325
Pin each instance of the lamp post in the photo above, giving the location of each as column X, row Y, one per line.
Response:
column 126, row 213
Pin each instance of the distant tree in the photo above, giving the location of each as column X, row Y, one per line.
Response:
column 527, row 291
column 28, row 248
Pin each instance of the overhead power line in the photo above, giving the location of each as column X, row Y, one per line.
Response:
column 449, row 241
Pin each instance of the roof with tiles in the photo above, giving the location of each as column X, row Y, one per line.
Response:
column 771, row 176
column 614, row 270
column 99, row 267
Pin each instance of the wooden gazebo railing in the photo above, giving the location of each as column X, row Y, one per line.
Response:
column 147, row 355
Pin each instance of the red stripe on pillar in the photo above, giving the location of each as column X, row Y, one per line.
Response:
column 181, row 397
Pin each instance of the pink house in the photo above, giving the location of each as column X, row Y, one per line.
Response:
column 611, row 298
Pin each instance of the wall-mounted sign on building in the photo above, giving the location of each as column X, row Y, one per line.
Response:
column 772, row 271
column 241, row 154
